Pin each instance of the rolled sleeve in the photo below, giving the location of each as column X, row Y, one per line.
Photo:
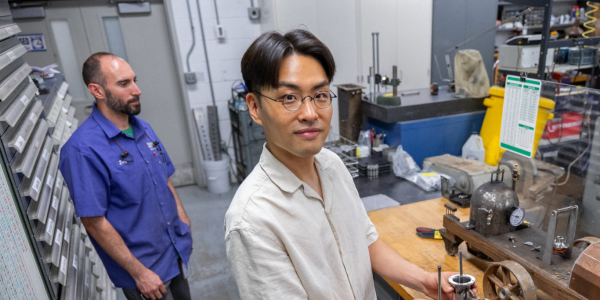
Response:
column 262, row 270
column 372, row 235
column 88, row 182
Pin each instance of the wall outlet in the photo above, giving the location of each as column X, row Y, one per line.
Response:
column 220, row 31
column 190, row 78
column 253, row 13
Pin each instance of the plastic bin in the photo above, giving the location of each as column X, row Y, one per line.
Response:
column 217, row 175
column 490, row 130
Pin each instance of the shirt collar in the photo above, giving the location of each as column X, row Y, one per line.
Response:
column 111, row 130
column 281, row 175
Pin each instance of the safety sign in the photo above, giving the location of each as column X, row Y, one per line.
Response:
column 33, row 42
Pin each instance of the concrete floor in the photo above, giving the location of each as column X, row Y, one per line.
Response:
column 211, row 277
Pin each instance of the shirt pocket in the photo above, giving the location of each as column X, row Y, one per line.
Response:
column 127, row 184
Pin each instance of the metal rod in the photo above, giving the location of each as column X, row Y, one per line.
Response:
column 210, row 82
column 216, row 12
column 461, row 270
column 439, row 282
column 541, row 72
column 378, row 70
column 374, row 59
column 187, row 61
column 371, row 85
column 395, row 76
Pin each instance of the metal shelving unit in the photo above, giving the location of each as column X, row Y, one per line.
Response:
column 29, row 154
column 545, row 43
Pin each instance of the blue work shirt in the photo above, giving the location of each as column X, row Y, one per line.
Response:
column 133, row 195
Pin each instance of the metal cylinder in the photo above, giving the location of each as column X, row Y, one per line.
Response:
column 491, row 206
column 462, row 287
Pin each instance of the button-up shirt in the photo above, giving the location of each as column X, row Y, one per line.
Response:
column 131, row 192
column 284, row 241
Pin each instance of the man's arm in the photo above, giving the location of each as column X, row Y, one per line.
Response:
column 182, row 215
column 261, row 267
column 389, row 264
column 111, row 242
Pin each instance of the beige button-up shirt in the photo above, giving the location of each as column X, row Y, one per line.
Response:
column 284, row 242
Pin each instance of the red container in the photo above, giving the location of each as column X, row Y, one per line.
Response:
column 570, row 124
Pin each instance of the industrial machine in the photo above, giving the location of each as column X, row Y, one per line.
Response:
column 376, row 80
column 469, row 174
column 525, row 258
column 522, row 53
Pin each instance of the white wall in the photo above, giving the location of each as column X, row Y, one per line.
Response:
column 345, row 26
column 224, row 55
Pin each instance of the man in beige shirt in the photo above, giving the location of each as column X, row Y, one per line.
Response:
column 296, row 228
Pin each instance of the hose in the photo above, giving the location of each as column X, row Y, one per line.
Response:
column 589, row 24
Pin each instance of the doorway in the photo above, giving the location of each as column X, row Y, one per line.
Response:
column 74, row 30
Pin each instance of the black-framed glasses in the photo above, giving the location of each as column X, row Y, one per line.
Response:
column 293, row 101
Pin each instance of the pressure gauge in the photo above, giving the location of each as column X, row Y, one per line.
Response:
column 517, row 217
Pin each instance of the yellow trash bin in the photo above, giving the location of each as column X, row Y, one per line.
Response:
column 490, row 130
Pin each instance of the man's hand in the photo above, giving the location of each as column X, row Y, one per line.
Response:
column 150, row 285
column 430, row 285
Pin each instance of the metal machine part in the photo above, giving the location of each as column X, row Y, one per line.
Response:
column 584, row 277
column 585, row 242
column 394, row 100
column 559, row 244
column 439, row 281
column 517, row 217
column 508, row 280
column 469, row 174
column 462, row 284
column 491, row 207
column 461, row 199
column 549, row 248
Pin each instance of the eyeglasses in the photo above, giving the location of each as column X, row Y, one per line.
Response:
column 293, row 101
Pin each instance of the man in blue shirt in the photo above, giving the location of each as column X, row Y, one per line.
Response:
column 117, row 172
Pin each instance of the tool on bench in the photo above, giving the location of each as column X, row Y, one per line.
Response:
column 429, row 233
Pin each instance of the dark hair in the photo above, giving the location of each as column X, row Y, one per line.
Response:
column 262, row 60
column 92, row 70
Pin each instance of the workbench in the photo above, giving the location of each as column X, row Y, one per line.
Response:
column 396, row 227
column 423, row 106
column 399, row 189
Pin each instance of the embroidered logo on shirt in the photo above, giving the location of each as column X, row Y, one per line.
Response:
column 151, row 146
column 122, row 162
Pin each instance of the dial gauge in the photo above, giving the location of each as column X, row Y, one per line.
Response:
column 517, row 217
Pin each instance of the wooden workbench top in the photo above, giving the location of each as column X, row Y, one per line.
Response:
column 397, row 227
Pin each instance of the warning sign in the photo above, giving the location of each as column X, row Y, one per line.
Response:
column 33, row 42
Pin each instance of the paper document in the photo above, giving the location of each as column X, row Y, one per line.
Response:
column 519, row 115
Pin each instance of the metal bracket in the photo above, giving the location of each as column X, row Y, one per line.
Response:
column 547, row 258
column 523, row 76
